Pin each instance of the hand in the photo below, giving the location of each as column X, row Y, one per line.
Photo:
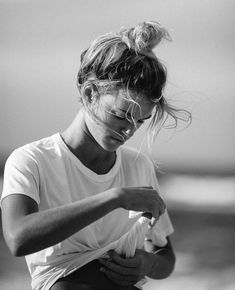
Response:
column 126, row 272
column 144, row 199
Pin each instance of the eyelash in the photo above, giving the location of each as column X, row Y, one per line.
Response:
column 119, row 117
column 124, row 118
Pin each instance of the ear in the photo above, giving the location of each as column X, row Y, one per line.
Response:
column 91, row 93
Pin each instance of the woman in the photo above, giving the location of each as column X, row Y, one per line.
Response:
column 67, row 198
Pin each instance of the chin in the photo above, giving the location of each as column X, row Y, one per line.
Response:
column 110, row 146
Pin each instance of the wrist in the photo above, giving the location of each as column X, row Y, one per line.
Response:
column 118, row 197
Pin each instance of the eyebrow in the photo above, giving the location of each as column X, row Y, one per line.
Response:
column 129, row 114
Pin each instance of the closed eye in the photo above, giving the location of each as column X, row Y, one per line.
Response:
column 120, row 117
column 142, row 120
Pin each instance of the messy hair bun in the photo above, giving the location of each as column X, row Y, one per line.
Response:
column 125, row 59
column 144, row 37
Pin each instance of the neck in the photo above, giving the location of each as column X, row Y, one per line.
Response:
column 82, row 144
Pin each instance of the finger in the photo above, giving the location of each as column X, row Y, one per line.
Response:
column 122, row 270
column 162, row 208
column 161, row 205
column 152, row 219
column 158, row 199
column 130, row 262
column 157, row 212
column 147, row 215
column 153, row 222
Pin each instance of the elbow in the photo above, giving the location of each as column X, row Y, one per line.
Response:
column 15, row 248
column 15, row 245
column 18, row 251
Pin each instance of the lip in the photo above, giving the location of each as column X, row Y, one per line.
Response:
column 119, row 140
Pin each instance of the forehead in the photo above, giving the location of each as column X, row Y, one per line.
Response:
column 135, row 104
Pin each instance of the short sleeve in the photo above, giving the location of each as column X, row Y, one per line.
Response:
column 163, row 227
column 21, row 175
column 159, row 233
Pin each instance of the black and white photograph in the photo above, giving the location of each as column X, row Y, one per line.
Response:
column 117, row 148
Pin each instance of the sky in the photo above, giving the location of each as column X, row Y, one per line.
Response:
column 41, row 43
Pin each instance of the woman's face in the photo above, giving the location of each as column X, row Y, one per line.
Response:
column 115, row 118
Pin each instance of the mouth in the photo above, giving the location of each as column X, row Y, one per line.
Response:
column 121, row 141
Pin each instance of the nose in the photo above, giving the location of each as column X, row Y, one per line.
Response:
column 127, row 132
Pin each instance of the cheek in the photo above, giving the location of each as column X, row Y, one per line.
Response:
column 99, row 115
column 104, row 127
column 108, row 122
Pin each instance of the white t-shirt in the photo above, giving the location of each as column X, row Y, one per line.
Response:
column 48, row 172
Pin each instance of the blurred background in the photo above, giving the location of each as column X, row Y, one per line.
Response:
column 41, row 43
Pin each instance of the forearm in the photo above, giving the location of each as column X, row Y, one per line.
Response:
column 39, row 230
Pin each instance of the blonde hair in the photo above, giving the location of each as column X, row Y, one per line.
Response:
column 125, row 60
